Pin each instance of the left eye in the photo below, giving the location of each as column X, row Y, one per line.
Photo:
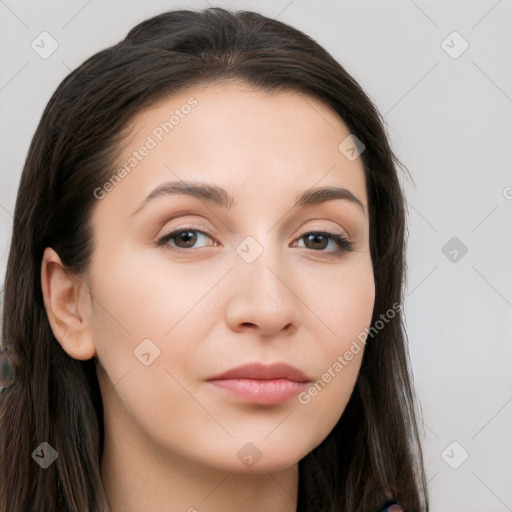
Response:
column 320, row 237
column 188, row 237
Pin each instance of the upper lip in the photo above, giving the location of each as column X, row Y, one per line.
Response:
column 262, row 371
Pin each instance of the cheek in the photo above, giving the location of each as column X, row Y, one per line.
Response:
column 150, row 299
column 146, row 331
column 148, row 324
column 343, row 302
column 345, row 308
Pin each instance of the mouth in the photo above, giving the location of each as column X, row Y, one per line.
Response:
column 262, row 384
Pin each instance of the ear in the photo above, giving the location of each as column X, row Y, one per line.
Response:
column 62, row 294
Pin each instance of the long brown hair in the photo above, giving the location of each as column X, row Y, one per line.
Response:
column 373, row 454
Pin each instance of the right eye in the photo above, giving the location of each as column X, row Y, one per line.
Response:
column 183, row 238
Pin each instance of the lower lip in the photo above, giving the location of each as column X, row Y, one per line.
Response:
column 266, row 392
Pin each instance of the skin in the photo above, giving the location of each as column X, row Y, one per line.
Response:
column 171, row 438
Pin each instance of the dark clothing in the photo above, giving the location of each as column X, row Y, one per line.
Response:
column 392, row 506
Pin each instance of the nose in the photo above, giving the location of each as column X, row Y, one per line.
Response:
column 264, row 296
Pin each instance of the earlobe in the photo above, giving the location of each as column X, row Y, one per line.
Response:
column 61, row 295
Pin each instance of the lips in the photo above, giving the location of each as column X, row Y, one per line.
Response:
column 260, row 383
column 260, row 371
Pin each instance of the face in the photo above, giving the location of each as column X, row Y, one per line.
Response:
column 190, row 286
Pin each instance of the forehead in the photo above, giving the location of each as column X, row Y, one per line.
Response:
column 243, row 139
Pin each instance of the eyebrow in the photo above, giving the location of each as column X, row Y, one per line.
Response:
column 221, row 197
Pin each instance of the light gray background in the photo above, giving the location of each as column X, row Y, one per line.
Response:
column 450, row 122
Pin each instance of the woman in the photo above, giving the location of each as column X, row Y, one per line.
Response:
column 203, row 292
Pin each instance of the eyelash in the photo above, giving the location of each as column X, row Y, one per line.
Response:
column 343, row 242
